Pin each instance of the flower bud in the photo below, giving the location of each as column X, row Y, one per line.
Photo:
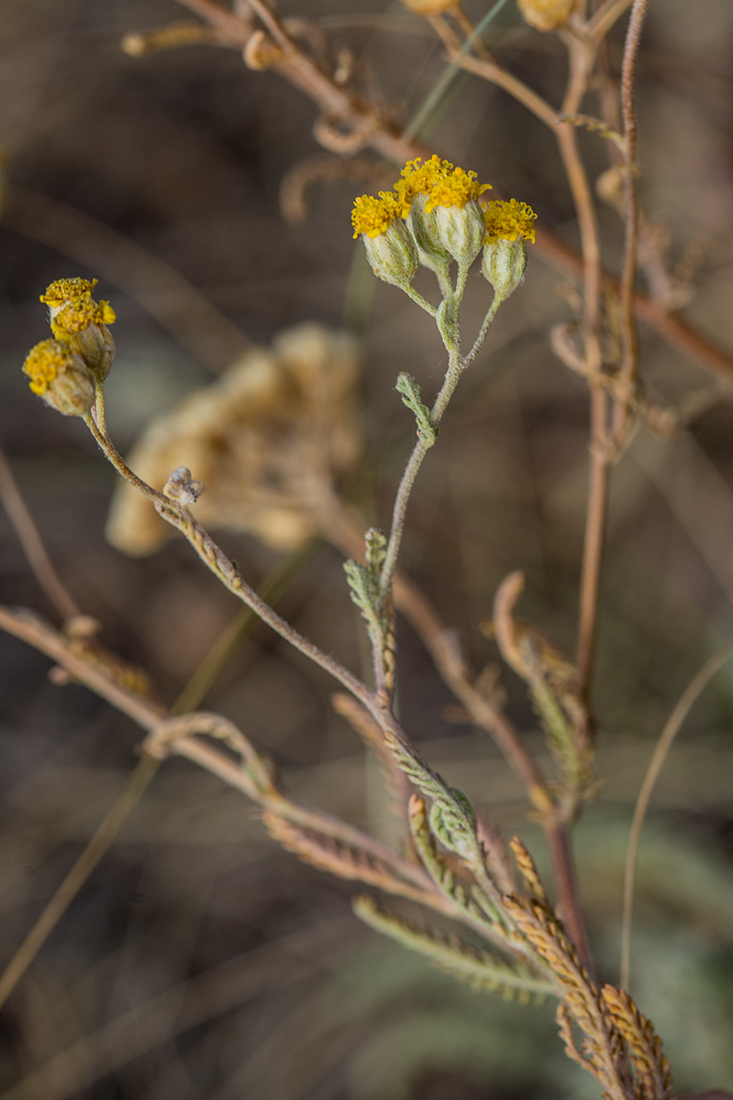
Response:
column 79, row 321
column 181, row 486
column 390, row 248
column 83, row 326
column 393, row 254
column 60, row 377
column 503, row 265
column 430, row 250
column 546, row 15
column 461, row 230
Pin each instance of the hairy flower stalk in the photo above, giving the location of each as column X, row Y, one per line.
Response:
column 443, row 221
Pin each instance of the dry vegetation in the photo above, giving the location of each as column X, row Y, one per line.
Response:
column 188, row 955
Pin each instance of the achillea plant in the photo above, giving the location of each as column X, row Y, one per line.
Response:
column 264, row 450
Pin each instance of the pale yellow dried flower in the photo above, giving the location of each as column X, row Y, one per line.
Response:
column 546, row 15
column 268, row 439
column 430, row 7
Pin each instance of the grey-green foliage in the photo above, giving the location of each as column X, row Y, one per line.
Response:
column 363, row 580
column 480, row 968
column 451, row 817
column 412, row 397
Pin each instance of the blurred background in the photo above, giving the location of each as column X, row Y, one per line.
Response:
column 200, row 960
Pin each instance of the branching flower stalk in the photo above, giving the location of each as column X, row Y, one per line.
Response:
column 437, row 216
column 460, row 876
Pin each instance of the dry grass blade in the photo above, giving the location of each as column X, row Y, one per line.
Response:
column 185, row 1006
column 667, row 736
column 32, row 544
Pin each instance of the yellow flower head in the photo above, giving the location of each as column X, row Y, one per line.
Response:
column 509, row 221
column 419, row 179
column 43, row 363
column 60, row 377
column 77, row 314
column 372, row 216
column 68, row 290
column 443, row 184
column 455, row 189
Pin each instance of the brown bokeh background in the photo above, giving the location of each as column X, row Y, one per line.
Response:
column 200, row 960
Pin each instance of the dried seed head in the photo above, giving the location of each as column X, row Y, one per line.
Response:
column 268, row 439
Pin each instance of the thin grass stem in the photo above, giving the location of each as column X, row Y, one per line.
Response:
column 687, row 700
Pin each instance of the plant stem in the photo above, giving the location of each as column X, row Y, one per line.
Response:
column 79, row 873
column 667, row 736
column 566, row 885
column 628, row 373
column 593, row 545
column 32, row 543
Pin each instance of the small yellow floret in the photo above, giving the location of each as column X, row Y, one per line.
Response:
column 418, row 179
column 372, row 216
column 68, row 290
column 440, row 181
column 509, row 221
column 455, row 190
column 77, row 315
column 43, row 363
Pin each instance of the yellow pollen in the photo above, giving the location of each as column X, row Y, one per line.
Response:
column 419, row 179
column 455, row 189
column 77, row 315
column 372, row 216
column 68, row 290
column 440, row 181
column 43, row 363
column 509, row 221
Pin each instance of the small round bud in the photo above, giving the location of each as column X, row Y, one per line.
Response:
column 461, row 230
column 60, row 377
column 503, row 264
column 392, row 254
column 181, row 486
column 546, row 15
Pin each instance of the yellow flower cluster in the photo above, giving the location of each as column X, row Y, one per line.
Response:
column 44, row 362
column 443, row 184
column 68, row 290
column 60, row 377
column 509, row 221
column 65, row 370
column 75, row 316
column 372, row 216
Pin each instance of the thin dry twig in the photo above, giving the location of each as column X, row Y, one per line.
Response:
column 337, row 104
column 32, row 543
column 627, row 375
